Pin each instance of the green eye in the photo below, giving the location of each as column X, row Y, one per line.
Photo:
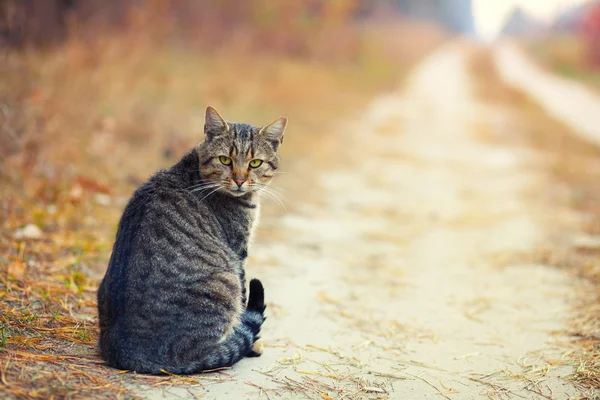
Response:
column 225, row 160
column 256, row 163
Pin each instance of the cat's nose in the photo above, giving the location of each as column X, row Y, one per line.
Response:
column 239, row 182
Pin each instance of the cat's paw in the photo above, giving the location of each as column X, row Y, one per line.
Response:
column 257, row 349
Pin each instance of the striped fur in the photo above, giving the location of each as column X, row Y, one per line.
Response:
column 173, row 298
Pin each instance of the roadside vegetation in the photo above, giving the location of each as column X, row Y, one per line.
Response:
column 565, row 54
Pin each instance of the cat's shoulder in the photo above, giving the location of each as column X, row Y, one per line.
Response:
column 166, row 186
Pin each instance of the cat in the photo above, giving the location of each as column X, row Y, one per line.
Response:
column 173, row 297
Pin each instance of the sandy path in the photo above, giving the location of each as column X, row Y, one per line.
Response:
column 568, row 100
column 385, row 286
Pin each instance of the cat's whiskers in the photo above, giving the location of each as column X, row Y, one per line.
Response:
column 201, row 184
column 277, row 189
column 275, row 198
column 271, row 194
column 212, row 192
column 205, row 187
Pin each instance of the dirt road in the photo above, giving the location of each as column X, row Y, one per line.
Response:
column 387, row 284
column 573, row 103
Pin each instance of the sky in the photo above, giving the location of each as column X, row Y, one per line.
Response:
column 490, row 15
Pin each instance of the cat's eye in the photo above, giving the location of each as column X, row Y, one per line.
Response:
column 256, row 163
column 225, row 160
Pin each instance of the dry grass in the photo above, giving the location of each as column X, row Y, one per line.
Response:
column 573, row 175
column 327, row 373
column 82, row 125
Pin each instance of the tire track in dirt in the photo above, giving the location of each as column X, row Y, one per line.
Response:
column 387, row 285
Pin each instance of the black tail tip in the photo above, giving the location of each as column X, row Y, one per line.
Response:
column 256, row 300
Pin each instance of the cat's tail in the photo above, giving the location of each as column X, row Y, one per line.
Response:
column 240, row 343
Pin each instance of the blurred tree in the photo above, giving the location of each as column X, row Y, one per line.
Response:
column 319, row 29
column 33, row 21
column 45, row 22
column 520, row 23
column 591, row 33
column 454, row 15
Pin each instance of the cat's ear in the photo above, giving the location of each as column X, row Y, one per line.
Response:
column 214, row 124
column 275, row 130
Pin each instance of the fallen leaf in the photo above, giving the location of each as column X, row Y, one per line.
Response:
column 17, row 269
column 91, row 185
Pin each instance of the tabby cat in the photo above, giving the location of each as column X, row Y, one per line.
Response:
column 173, row 298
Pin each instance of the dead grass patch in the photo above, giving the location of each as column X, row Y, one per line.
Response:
column 327, row 373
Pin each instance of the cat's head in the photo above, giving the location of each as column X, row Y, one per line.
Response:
column 238, row 158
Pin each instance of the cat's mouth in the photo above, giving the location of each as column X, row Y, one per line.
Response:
column 239, row 191
column 239, row 188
